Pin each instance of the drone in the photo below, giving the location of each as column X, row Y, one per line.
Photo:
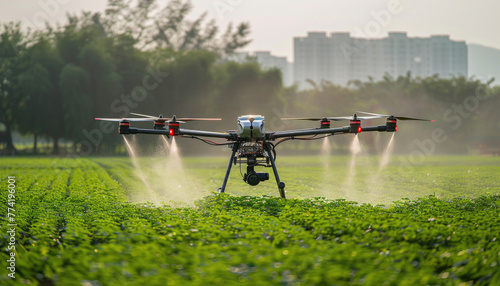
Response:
column 251, row 144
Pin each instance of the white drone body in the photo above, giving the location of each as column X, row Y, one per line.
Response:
column 251, row 126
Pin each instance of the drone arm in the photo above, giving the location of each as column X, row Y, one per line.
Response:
column 146, row 131
column 319, row 131
column 380, row 128
column 306, row 132
column 181, row 132
column 201, row 133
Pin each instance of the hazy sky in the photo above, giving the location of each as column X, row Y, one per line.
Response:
column 274, row 23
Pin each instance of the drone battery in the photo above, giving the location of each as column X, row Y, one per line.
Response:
column 251, row 126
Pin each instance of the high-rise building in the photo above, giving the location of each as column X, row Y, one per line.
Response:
column 339, row 58
column 484, row 63
column 267, row 61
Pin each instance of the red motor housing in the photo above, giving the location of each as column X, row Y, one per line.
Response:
column 392, row 124
column 173, row 128
column 355, row 126
column 124, row 127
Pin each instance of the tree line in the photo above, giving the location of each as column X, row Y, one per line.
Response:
column 154, row 59
column 465, row 110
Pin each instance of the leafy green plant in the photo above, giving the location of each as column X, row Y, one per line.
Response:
column 75, row 226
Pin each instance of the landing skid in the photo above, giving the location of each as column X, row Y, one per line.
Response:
column 281, row 185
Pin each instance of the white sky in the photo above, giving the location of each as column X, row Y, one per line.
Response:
column 274, row 23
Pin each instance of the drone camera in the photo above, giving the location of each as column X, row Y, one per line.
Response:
column 355, row 126
column 124, row 127
column 392, row 124
column 254, row 178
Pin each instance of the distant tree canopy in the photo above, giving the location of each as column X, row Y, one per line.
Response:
column 55, row 81
column 141, row 57
column 149, row 26
column 464, row 109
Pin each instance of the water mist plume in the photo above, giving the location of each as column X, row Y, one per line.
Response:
column 325, row 153
column 356, row 149
column 140, row 173
column 376, row 185
column 386, row 156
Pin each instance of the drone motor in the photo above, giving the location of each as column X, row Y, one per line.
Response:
column 392, row 124
column 159, row 124
column 124, row 127
column 173, row 128
column 325, row 123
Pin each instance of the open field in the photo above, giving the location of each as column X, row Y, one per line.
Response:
column 307, row 177
column 85, row 222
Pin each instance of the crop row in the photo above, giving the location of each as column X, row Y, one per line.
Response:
column 75, row 227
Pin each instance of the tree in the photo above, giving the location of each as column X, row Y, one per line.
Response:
column 151, row 26
column 39, row 86
column 89, row 82
column 13, row 42
column 36, row 87
column 74, row 83
column 246, row 89
column 189, row 82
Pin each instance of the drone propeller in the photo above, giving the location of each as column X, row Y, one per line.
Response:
column 123, row 119
column 337, row 118
column 397, row 117
column 143, row 115
column 158, row 119
column 198, row 119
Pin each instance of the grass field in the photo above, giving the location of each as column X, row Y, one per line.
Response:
column 86, row 222
column 307, row 177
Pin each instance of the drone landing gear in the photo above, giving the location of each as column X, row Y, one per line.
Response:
column 281, row 185
column 231, row 160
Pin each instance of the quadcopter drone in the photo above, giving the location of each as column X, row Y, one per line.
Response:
column 251, row 144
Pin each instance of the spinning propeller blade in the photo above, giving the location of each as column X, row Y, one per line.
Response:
column 337, row 118
column 143, row 115
column 306, row 118
column 121, row 119
column 397, row 117
column 160, row 119
column 198, row 119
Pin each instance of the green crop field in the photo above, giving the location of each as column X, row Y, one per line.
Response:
column 102, row 221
